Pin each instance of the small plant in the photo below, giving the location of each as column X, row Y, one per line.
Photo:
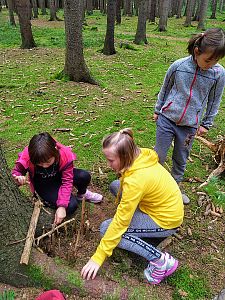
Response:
column 214, row 190
column 7, row 295
column 127, row 46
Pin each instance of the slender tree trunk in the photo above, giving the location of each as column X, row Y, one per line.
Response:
column 189, row 9
column 23, row 11
column 202, row 14
column 214, row 6
column 75, row 67
column 89, row 8
column 152, row 13
column 11, row 14
column 140, row 36
column 179, row 9
column 164, row 8
column 196, row 12
column 35, row 8
column 53, row 10
column 42, row 7
column 109, row 48
column 118, row 12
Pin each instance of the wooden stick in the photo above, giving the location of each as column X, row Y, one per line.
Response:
column 82, row 216
column 30, row 234
column 53, row 229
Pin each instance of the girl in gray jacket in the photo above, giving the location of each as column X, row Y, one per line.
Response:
column 189, row 98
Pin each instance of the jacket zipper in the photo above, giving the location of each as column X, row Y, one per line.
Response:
column 190, row 95
column 166, row 107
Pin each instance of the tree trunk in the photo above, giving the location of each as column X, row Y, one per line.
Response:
column 35, row 8
column 75, row 68
column 196, row 11
column 140, row 36
column 42, row 7
column 103, row 6
column 128, row 11
column 189, row 9
column 202, row 14
column 179, row 9
column 118, row 12
column 23, row 11
column 53, row 10
column 164, row 8
column 152, row 13
column 214, row 5
column 89, row 8
column 11, row 14
column 109, row 48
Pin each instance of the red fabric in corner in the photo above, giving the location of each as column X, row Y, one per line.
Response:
column 51, row 295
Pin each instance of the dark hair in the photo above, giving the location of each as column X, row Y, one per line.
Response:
column 124, row 146
column 41, row 148
column 212, row 39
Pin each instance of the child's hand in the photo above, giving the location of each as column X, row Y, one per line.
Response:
column 59, row 215
column 21, row 180
column 155, row 117
column 90, row 270
column 201, row 131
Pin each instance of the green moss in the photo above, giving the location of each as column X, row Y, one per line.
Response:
column 38, row 278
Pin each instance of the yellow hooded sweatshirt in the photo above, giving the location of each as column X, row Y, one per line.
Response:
column 149, row 186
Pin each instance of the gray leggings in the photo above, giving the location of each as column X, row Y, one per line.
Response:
column 141, row 226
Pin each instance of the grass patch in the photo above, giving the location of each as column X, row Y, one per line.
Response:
column 189, row 285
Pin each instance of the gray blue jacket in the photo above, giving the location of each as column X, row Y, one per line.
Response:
column 188, row 92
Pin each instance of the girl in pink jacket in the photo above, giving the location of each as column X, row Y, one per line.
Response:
column 52, row 175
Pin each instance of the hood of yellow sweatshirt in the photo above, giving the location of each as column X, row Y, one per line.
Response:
column 145, row 159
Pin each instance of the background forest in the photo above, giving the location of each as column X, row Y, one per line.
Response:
column 125, row 52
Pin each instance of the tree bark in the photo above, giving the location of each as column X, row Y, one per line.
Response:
column 109, row 48
column 118, row 12
column 179, row 9
column 140, row 36
column 152, row 13
column 164, row 9
column 189, row 9
column 11, row 14
column 75, row 68
column 35, row 8
column 202, row 14
column 42, row 7
column 53, row 10
column 23, row 12
column 214, row 6
column 89, row 8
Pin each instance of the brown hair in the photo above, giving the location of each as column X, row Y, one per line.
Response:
column 212, row 39
column 41, row 148
column 124, row 146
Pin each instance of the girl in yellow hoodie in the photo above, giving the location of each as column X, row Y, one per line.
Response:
column 150, row 206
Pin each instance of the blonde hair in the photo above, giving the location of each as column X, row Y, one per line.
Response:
column 124, row 146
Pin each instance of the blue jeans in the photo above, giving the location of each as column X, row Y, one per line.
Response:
column 183, row 137
column 141, row 226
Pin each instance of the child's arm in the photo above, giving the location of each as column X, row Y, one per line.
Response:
column 213, row 103
column 166, row 87
column 19, row 174
column 65, row 189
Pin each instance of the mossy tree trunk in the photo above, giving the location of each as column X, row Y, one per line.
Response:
column 140, row 37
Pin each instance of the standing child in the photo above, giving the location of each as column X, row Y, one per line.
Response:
column 150, row 206
column 52, row 175
column 192, row 85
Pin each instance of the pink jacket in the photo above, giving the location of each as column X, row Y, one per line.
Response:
column 24, row 165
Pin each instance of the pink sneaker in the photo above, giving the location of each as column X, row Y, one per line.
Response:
column 91, row 197
column 155, row 273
